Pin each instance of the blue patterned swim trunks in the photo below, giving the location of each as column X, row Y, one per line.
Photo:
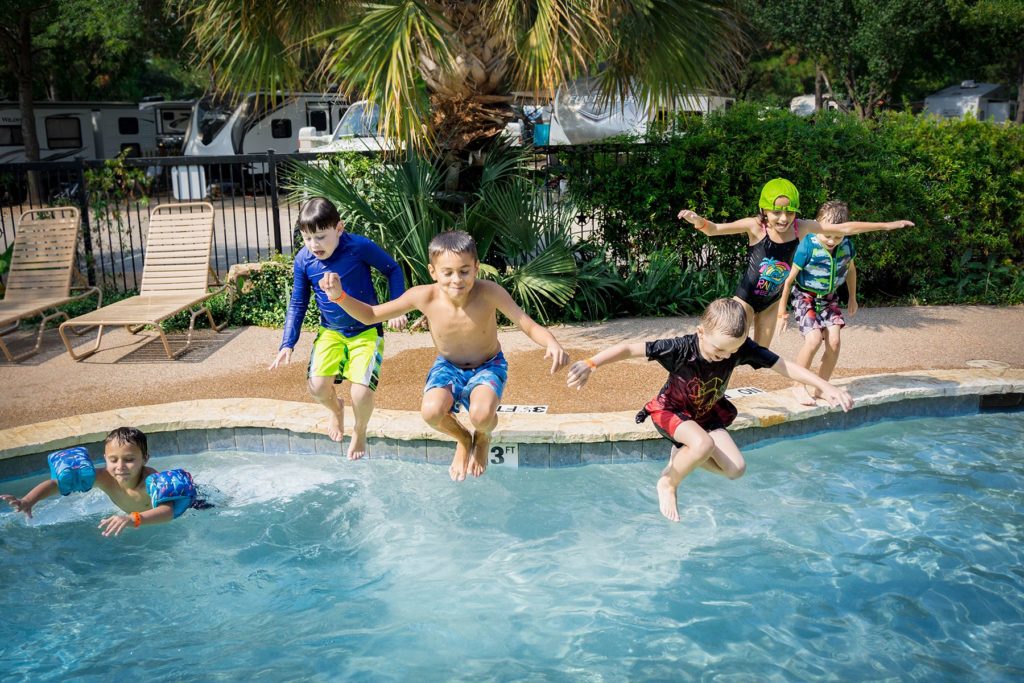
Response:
column 446, row 375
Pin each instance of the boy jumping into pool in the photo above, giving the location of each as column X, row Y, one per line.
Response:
column 344, row 348
column 470, row 370
column 691, row 410
column 146, row 495
column 821, row 265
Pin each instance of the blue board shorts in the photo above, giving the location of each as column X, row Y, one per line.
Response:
column 445, row 375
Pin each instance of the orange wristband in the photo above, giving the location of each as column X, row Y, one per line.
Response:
column 340, row 298
column 137, row 518
column 591, row 363
column 704, row 225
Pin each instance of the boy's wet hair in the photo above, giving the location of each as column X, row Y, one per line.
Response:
column 453, row 241
column 834, row 211
column 318, row 213
column 725, row 316
column 130, row 436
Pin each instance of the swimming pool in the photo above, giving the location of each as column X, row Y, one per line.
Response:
column 887, row 552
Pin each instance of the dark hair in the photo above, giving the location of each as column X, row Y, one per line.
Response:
column 454, row 241
column 131, row 436
column 317, row 213
column 727, row 317
column 834, row 211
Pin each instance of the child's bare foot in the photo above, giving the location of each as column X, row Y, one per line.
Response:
column 481, row 445
column 457, row 470
column 667, row 499
column 803, row 397
column 357, row 447
column 336, row 425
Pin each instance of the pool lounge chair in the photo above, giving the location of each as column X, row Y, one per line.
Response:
column 41, row 274
column 175, row 277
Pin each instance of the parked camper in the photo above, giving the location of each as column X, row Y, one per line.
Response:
column 985, row 101
column 260, row 123
column 171, row 118
column 78, row 130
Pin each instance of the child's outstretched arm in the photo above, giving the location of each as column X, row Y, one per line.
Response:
column 115, row 524
column 712, row 229
column 852, row 227
column 833, row 394
column 580, row 371
column 540, row 335
column 39, row 492
column 787, row 287
column 410, row 300
column 851, row 283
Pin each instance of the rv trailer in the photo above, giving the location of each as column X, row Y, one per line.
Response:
column 78, row 130
column 171, row 118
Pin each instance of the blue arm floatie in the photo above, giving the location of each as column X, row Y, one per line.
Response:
column 171, row 486
column 73, row 470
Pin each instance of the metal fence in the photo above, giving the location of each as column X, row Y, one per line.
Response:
column 254, row 217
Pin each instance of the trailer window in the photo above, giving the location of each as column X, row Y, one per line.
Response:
column 63, row 132
column 10, row 136
column 318, row 119
column 281, row 128
column 128, row 125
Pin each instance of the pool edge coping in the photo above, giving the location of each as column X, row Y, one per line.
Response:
column 765, row 410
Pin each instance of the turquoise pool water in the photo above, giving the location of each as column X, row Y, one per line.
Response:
column 891, row 552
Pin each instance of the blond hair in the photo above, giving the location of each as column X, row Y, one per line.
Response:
column 725, row 316
column 833, row 212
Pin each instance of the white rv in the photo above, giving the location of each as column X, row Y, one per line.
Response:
column 260, row 123
column 984, row 101
column 78, row 130
column 171, row 118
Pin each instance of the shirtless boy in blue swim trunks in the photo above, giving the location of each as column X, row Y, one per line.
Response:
column 470, row 370
column 691, row 410
column 344, row 348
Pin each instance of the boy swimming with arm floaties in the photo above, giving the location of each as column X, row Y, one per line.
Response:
column 691, row 410
column 145, row 494
column 821, row 265
column 471, row 369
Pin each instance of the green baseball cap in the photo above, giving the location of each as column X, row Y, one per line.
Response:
column 779, row 187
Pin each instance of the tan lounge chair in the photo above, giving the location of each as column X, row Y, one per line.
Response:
column 42, row 270
column 175, row 277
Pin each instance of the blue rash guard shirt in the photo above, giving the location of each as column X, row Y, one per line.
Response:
column 351, row 261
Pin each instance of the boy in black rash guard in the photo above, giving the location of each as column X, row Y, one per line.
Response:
column 691, row 410
column 772, row 238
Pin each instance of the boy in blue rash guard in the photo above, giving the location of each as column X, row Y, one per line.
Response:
column 821, row 265
column 344, row 347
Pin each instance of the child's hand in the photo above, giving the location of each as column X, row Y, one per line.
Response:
column 399, row 323
column 896, row 225
column 115, row 524
column 284, row 356
column 853, row 306
column 557, row 355
column 837, row 397
column 579, row 373
column 18, row 504
column 692, row 217
column 331, row 284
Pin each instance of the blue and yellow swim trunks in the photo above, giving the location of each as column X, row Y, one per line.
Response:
column 446, row 375
column 357, row 359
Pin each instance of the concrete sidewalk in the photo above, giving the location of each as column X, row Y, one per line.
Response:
column 133, row 371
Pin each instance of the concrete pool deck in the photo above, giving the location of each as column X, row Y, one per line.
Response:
column 890, row 356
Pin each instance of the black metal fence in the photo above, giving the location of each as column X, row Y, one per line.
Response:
column 254, row 217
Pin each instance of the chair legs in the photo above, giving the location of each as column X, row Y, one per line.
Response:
column 134, row 328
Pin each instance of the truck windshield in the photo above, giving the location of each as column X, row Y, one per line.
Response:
column 360, row 120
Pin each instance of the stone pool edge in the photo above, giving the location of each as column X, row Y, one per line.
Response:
column 551, row 440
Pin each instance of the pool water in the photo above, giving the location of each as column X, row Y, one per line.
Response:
column 890, row 552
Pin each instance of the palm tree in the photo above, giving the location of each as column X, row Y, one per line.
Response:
column 442, row 71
